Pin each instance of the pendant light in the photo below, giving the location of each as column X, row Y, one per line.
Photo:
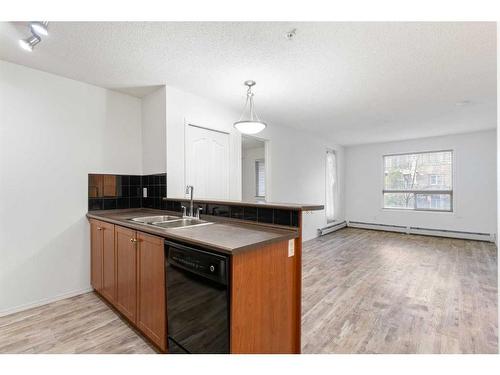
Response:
column 249, row 122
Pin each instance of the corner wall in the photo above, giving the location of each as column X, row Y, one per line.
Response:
column 154, row 127
column 297, row 162
column 474, row 185
column 53, row 132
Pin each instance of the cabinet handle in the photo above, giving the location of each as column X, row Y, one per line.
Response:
column 133, row 240
column 99, row 228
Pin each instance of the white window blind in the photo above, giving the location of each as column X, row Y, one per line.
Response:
column 331, row 185
column 260, row 178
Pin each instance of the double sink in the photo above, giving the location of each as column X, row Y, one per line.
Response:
column 170, row 222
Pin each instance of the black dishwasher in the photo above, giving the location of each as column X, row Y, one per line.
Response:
column 197, row 300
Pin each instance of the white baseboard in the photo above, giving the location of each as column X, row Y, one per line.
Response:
column 332, row 227
column 44, row 301
column 424, row 231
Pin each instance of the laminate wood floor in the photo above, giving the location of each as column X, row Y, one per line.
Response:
column 363, row 292
column 379, row 292
column 81, row 324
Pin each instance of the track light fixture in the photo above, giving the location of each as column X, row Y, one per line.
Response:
column 40, row 27
column 30, row 42
column 37, row 28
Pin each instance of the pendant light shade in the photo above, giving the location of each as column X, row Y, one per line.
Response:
column 249, row 122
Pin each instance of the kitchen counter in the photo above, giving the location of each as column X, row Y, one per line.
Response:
column 222, row 236
column 278, row 205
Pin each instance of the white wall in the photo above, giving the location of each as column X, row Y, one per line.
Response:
column 248, row 158
column 182, row 108
column 154, row 124
column 295, row 161
column 53, row 132
column 474, row 189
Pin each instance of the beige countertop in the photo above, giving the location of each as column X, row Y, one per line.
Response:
column 222, row 236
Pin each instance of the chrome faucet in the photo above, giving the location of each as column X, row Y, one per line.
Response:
column 190, row 191
column 192, row 213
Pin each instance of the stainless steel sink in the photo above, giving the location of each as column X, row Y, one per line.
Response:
column 153, row 219
column 167, row 221
column 181, row 223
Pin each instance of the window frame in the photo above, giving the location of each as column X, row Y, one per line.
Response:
column 420, row 192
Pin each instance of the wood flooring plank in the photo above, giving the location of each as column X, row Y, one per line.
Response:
column 363, row 292
column 380, row 292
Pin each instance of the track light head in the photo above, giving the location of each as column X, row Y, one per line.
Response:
column 30, row 42
column 40, row 27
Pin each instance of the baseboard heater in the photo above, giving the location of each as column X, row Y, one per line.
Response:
column 332, row 228
column 424, row 231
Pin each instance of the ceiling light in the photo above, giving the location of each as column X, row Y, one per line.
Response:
column 29, row 42
column 40, row 27
column 249, row 122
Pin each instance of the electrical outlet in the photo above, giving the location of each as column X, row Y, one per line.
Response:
column 291, row 248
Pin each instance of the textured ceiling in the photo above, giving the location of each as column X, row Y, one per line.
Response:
column 347, row 82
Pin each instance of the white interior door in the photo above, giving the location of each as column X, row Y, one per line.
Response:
column 207, row 162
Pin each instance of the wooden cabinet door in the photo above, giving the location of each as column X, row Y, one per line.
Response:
column 126, row 266
column 151, row 308
column 96, row 245
column 108, row 262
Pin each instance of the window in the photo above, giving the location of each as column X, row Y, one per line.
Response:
column 260, row 179
column 331, row 185
column 419, row 181
column 435, row 179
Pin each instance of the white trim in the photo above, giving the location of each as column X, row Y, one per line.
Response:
column 424, row 231
column 44, row 301
column 332, row 227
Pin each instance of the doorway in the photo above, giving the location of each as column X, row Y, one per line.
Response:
column 253, row 169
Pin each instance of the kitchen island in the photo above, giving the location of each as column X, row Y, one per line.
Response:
column 130, row 270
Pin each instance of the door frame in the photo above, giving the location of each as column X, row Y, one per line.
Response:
column 267, row 161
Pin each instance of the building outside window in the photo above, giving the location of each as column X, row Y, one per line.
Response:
column 419, row 181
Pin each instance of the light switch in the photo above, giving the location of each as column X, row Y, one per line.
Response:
column 291, row 248
column 144, row 192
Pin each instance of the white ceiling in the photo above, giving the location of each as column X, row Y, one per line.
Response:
column 348, row 82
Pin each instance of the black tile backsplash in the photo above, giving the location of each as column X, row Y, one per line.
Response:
column 265, row 215
column 295, row 218
column 174, row 206
column 156, row 189
column 250, row 213
column 282, row 217
column 135, row 202
column 95, row 204
column 108, row 192
column 237, row 212
column 135, row 180
column 217, row 210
